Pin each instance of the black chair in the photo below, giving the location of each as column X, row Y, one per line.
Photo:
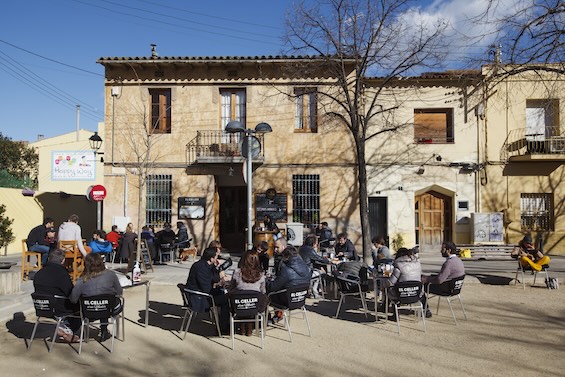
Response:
column 189, row 311
column 45, row 309
column 105, row 308
column 288, row 300
column 407, row 293
column 350, row 285
column 450, row 290
column 166, row 249
column 245, row 307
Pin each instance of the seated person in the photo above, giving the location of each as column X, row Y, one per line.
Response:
column 148, row 235
column 271, row 225
column 406, row 267
column 309, row 255
column 71, row 231
column 380, row 252
column 529, row 256
column 452, row 268
column 36, row 239
column 249, row 277
column 263, row 252
column 279, row 246
column 165, row 236
column 344, row 248
column 293, row 272
column 353, row 270
column 97, row 280
column 99, row 244
column 204, row 277
column 53, row 279
column 113, row 236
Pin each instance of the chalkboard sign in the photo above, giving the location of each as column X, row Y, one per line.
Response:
column 145, row 257
column 276, row 207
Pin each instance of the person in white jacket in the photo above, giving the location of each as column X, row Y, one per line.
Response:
column 70, row 231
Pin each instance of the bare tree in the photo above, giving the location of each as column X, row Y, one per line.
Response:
column 384, row 38
column 530, row 31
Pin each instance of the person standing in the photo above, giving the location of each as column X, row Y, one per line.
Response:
column 204, row 277
column 70, row 231
column 309, row 255
column 128, row 244
column 36, row 239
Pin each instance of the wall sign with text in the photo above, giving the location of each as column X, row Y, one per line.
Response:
column 191, row 207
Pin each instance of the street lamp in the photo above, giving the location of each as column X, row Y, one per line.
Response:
column 262, row 128
column 95, row 141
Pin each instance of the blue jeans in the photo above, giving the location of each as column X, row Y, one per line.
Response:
column 44, row 250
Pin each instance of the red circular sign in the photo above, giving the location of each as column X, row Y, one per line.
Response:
column 97, row 193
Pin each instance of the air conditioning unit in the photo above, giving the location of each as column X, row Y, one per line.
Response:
column 557, row 144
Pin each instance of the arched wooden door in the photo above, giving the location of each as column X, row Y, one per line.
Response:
column 433, row 219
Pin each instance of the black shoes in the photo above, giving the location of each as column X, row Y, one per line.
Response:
column 105, row 335
column 428, row 313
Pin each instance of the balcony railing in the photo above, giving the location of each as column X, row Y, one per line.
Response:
column 217, row 147
column 521, row 142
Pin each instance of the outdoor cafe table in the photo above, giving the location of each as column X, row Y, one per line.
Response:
column 378, row 280
column 147, row 283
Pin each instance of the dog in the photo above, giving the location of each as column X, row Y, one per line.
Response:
column 185, row 253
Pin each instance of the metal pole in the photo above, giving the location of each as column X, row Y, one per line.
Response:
column 99, row 214
column 249, row 167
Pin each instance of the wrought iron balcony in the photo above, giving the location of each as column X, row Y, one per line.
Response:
column 525, row 145
column 216, row 147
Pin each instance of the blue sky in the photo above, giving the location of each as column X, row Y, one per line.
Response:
column 39, row 95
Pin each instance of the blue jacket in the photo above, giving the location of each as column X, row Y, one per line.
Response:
column 101, row 246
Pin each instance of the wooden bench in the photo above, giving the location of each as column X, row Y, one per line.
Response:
column 485, row 251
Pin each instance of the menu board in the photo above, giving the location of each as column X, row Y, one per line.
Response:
column 275, row 207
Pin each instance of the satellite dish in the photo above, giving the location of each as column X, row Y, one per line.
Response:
column 255, row 147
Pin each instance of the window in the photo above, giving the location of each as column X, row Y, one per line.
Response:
column 541, row 116
column 306, row 110
column 306, row 198
column 160, row 110
column 433, row 126
column 159, row 199
column 233, row 106
column 536, row 211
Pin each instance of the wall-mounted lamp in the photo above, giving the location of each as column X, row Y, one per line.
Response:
column 95, row 141
column 421, row 170
column 95, row 144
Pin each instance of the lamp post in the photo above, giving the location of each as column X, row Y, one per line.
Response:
column 247, row 136
column 95, row 144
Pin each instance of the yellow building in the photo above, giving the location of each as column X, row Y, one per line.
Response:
column 524, row 151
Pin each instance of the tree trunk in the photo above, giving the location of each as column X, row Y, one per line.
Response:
column 363, row 198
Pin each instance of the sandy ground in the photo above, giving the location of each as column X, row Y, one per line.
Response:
column 509, row 332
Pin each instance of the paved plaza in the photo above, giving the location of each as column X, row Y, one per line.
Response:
column 509, row 332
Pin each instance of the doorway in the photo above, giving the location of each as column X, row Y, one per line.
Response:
column 433, row 213
column 233, row 217
column 378, row 217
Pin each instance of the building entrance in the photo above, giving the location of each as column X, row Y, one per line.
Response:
column 233, row 217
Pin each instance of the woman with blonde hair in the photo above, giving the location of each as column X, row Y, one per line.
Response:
column 97, row 280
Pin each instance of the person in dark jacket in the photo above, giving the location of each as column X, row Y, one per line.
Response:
column 165, row 238
column 204, row 277
column 344, row 248
column 314, row 261
column 36, row 239
column 128, row 243
column 293, row 272
column 53, row 279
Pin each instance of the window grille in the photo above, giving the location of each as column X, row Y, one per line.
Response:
column 536, row 212
column 306, row 198
column 159, row 199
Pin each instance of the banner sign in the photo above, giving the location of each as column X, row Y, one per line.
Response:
column 73, row 166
